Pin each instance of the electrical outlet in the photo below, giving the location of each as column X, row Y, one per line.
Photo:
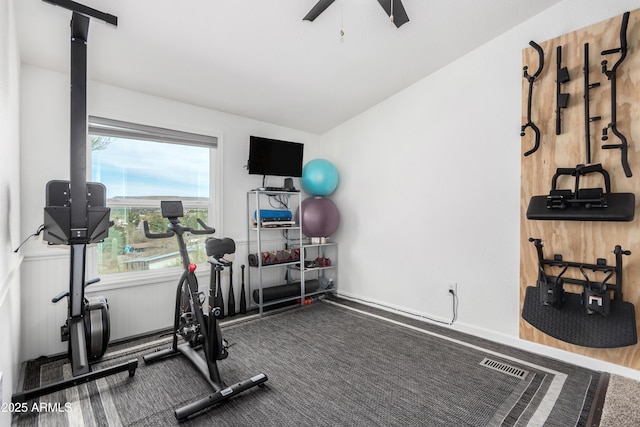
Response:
column 453, row 287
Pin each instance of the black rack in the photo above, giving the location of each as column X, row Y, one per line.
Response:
column 589, row 319
column 596, row 294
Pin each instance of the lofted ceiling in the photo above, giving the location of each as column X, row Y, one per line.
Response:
column 259, row 59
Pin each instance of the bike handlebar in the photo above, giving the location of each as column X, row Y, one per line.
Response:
column 151, row 235
column 170, row 233
column 205, row 228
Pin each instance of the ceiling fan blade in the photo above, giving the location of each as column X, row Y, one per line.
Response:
column 399, row 14
column 317, row 9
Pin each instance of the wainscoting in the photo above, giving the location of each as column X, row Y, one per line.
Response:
column 138, row 303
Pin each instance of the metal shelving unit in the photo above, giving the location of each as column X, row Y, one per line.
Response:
column 327, row 250
column 261, row 239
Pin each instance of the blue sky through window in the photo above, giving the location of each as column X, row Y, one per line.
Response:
column 135, row 168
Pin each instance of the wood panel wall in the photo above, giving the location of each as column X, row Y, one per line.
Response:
column 575, row 240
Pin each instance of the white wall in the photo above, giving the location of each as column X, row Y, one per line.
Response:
column 429, row 186
column 9, row 205
column 138, row 305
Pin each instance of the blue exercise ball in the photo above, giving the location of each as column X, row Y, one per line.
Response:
column 320, row 217
column 319, row 177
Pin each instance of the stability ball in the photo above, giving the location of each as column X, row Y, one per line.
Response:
column 320, row 217
column 319, row 177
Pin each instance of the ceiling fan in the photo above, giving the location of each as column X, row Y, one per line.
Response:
column 394, row 9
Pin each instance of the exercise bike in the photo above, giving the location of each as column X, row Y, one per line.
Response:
column 192, row 324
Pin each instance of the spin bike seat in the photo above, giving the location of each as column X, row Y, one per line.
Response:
column 218, row 248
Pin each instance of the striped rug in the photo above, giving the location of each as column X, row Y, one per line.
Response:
column 332, row 364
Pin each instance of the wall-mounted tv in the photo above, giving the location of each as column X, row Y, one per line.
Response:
column 274, row 157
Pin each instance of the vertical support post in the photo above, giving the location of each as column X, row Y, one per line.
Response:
column 78, row 192
column 77, row 337
column 79, row 31
column 618, row 251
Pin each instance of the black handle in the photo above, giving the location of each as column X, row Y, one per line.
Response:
column 537, row 47
column 66, row 293
column 59, row 296
column 205, row 228
column 531, row 79
column 565, row 171
column 91, row 282
column 151, row 235
column 536, row 143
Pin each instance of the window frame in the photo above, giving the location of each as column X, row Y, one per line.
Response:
column 122, row 129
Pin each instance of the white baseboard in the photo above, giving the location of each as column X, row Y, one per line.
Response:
column 517, row 342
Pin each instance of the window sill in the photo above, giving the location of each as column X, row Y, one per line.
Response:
column 139, row 278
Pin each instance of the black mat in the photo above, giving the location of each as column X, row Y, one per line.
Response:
column 571, row 323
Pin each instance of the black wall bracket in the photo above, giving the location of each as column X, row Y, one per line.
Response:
column 587, row 197
column 587, row 114
column 591, row 318
column 611, row 75
column 531, row 79
column 562, row 99
column 596, row 293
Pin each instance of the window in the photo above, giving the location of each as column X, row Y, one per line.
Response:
column 140, row 166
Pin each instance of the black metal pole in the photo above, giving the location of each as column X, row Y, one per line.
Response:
column 85, row 10
column 78, row 191
column 587, row 114
column 79, row 30
column 562, row 99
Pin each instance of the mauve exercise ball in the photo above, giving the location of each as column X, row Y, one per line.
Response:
column 320, row 217
column 319, row 177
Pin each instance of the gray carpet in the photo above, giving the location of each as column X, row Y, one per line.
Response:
column 622, row 403
column 336, row 365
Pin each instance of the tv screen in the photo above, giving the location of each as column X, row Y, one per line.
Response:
column 274, row 157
